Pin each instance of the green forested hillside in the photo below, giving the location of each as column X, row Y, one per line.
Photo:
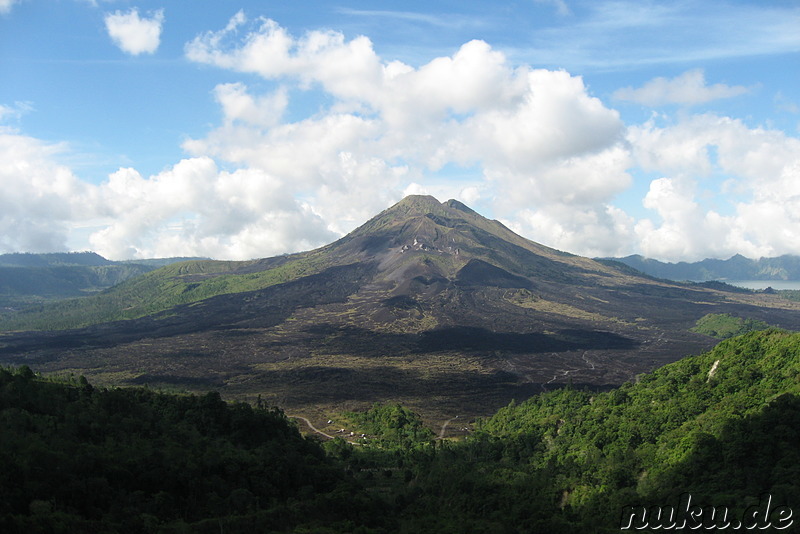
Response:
column 723, row 427
column 32, row 284
column 75, row 459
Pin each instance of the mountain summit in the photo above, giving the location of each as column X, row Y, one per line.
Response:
column 427, row 303
column 419, row 236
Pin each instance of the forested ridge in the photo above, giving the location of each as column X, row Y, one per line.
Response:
column 723, row 426
column 78, row 459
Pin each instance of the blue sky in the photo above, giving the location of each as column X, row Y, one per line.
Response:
column 249, row 129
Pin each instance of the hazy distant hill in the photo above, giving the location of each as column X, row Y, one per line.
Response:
column 427, row 303
column 27, row 278
column 28, row 259
column 735, row 268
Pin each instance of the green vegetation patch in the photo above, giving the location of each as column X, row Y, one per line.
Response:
column 390, row 423
column 789, row 294
column 724, row 326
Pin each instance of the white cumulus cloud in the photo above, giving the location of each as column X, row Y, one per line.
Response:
column 531, row 147
column 195, row 208
column 134, row 34
column 39, row 198
column 537, row 136
column 760, row 190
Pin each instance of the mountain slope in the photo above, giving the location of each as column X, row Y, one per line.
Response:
column 439, row 239
column 54, row 259
column 427, row 303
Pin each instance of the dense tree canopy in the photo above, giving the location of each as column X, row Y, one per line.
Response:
column 78, row 459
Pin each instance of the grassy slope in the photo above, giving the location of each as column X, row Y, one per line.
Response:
column 723, row 326
column 28, row 281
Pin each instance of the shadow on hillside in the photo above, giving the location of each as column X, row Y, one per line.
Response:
column 469, row 339
column 752, row 456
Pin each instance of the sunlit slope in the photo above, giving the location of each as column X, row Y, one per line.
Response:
column 165, row 288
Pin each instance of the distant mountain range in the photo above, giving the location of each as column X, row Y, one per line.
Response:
column 428, row 303
column 738, row 267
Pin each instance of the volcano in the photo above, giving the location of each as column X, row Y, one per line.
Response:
column 428, row 304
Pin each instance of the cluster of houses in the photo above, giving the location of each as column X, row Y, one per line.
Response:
column 352, row 434
column 343, row 431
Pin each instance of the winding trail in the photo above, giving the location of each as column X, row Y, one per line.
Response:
column 444, row 427
column 566, row 373
column 311, row 426
column 318, row 431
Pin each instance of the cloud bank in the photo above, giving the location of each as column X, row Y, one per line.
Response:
column 531, row 147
